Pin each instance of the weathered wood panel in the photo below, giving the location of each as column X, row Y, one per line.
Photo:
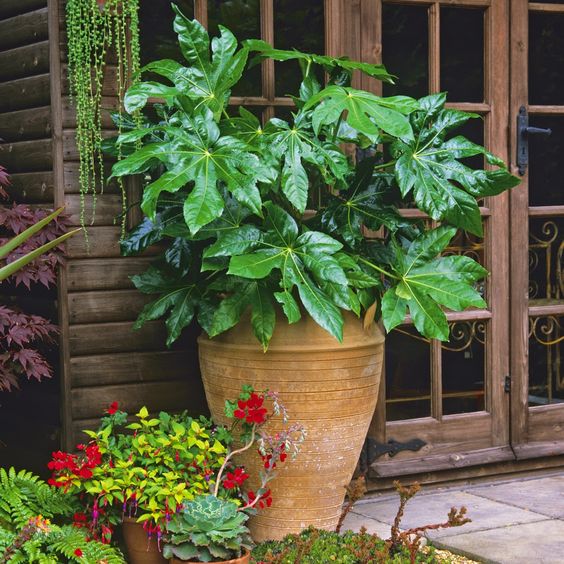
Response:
column 105, row 274
column 107, row 210
column 31, row 187
column 30, row 92
column 24, row 61
column 69, row 113
column 103, row 242
column 109, row 88
column 102, row 338
column 103, row 307
column 70, row 148
column 27, row 156
column 23, row 125
column 111, row 369
column 23, row 29
column 72, row 185
column 170, row 396
column 9, row 8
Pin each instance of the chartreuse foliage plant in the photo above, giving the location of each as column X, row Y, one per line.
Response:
column 229, row 195
column 145, row 469
column 32, row 529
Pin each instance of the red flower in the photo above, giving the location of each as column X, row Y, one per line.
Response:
column 236, row 478
column 251, row 410
column 78, row 552
column 113, row 408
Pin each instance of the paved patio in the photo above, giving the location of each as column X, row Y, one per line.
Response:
column 515, row 521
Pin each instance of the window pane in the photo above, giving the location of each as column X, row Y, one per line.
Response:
column 546, row 253
column 297, row 25
column 473, row 130
column 463, row 367
column 546, row 58
column 546, row 343
column 546, row 184
column 462, row 54
column 158, row 40
column 408, row 375
column 242, row 17
column 405, row 47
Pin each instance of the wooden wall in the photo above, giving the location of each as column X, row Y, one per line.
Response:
column 102, row 358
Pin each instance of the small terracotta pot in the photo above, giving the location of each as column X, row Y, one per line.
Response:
column 245, row 559
column 140, row 548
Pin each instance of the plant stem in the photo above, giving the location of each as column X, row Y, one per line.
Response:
column 229, row 457
column 379, row 269
column 336, row 131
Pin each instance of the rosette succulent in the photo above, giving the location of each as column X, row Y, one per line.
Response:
column 207, row 529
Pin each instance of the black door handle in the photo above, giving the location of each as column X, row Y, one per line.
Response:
column 523, row 132
column 537, row 131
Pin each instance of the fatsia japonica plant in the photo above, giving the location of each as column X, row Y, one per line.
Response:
column 232, row 197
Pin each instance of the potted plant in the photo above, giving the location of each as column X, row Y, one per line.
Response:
column 139, row 473
column 212, row 527
column 287, row 299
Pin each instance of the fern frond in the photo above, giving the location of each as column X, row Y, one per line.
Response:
column 24, row 495
column 67, row 539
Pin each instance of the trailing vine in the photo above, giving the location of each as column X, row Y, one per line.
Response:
column 94, row 29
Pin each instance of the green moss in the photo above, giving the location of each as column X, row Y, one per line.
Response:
column 313, row 546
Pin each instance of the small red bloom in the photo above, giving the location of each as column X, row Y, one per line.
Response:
column 113, row 408
column 78, row 552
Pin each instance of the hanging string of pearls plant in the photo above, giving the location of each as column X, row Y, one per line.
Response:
column 96, row 28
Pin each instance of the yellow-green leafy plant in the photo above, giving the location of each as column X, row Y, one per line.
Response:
column 96, row 28
column 146, row 469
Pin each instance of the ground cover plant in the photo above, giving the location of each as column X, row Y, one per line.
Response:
column 229, row 195
column 312, row 545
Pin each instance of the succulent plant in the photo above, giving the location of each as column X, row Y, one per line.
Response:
column 207, row 529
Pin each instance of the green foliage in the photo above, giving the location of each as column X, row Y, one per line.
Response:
column 93, row 30
column 58, row 545
column 228, row 195
column 313, row 546
column 23, row 496
column 27, row 504
column 207, row 529
column 151, row 466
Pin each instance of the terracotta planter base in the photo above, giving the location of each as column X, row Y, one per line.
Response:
column 329, row 387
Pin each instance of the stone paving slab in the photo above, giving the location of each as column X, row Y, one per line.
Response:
column 354, row 522
column 430, row 508
column 542, row 495
column 541, row 542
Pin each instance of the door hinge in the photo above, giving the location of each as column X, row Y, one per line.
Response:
column 507, row 384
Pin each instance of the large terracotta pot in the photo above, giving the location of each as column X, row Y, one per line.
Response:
column 140, row 549
column 245, row 559
column 329, row 387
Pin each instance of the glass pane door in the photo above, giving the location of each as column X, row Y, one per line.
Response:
column 537, row 232
column 450, row 394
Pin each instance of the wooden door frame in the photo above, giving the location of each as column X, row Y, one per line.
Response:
column 364, row 41
column 525, row 443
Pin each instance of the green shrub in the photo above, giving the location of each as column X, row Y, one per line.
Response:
column 313, row 546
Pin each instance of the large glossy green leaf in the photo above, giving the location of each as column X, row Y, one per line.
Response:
column 263, row 314
column 330, row 64
column 428, row 166
column 424, row 282
column 366, row 112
